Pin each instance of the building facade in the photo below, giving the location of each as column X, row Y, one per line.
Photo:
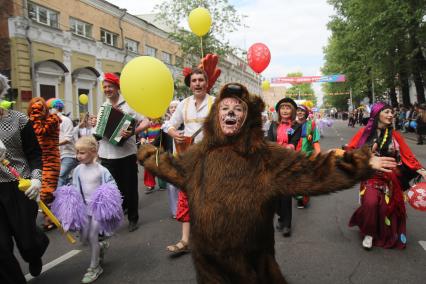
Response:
column 54, row 48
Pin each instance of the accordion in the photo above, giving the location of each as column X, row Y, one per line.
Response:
column 111, row 122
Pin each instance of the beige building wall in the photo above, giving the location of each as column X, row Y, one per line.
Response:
column 273, row 95
column 87, row 12
column 20, row 68
column 39, row 53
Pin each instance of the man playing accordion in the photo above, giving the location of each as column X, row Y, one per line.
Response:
column 121, row 160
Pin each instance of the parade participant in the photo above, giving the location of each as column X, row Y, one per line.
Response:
column 116, row 158
column 421, row 124
column 84, row 128
column 232, row 178
column 18, row 210
column 382, row 216
column 265, row 122
column 66, row 142
column 95, row 201
column 308, row 142
column 191, row 112
column 165, row 141
column 286, row 133
column 46, row 128
column 148, row 136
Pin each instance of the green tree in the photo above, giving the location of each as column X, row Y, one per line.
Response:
column 301, row 91
column 225, row 20
column 377, row 43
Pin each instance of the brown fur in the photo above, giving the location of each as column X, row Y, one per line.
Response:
column 231, row 184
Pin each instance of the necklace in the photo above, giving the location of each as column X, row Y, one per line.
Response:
column 385, row 137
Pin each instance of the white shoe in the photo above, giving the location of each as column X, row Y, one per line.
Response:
column 367, row 243
column 92, row 274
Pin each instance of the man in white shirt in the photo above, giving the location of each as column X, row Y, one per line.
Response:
column 191, row 112
column 121, row 160
column 66, row 143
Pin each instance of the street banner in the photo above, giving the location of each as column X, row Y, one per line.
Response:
column 309, row 79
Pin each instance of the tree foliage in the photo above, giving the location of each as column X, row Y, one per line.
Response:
column 225, row 19
column 302, row 91
column 379, row 46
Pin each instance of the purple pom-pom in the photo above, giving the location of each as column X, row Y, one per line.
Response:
column 69, row 208
column 106, row 208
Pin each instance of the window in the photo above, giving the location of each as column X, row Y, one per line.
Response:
column 167, row 57
column 47, row 91
column 150, row 51
column 81, row 28
column 131, row 45
column 43, row 15
column 109, row 38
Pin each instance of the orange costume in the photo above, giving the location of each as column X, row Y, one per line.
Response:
column 46, row 128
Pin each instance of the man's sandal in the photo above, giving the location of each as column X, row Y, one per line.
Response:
column 180, row 247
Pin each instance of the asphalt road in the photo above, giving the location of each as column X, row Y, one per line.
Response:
column 322, row 248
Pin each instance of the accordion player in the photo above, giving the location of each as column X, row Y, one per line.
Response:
column 111, row 122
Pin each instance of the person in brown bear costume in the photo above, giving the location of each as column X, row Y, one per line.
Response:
column 232, row 178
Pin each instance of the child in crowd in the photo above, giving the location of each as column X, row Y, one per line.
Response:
column 91, row 205
column 148, row 136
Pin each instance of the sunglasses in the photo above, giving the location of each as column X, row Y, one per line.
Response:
column 233, row 89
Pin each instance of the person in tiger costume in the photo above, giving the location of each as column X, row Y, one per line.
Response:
column 46, row 128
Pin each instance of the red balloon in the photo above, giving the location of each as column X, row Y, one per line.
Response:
column 258, row 57
column 417, row 196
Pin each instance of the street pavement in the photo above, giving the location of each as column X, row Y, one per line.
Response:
column 321, row 249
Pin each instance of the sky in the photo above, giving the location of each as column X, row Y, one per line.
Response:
column 294, row 30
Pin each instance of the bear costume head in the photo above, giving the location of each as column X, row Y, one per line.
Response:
column 235, row 118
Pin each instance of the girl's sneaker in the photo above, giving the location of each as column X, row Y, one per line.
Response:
column 92, row 274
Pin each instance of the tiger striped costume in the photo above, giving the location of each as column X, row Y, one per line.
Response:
column 46, row 128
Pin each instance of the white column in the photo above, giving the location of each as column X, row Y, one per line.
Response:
column 68, row 97
column 100, row 98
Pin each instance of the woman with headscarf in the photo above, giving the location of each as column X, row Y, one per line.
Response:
column 382, row 216
column 46, row 128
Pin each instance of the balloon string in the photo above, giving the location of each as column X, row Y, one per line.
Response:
column 260, row 85
column 202, row 53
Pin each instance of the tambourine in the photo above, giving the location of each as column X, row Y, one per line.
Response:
column 417, row 196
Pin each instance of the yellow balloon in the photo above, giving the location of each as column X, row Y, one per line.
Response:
column 309, row 104
column 147, row 86
column 83, row 99
column 266, row 85
column 200, row 21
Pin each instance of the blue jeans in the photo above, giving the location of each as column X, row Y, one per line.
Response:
column 67, row 165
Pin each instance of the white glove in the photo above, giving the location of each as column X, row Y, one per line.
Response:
column 2, row 151
column 33, row 192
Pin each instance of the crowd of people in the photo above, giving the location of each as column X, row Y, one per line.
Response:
column 406, row 119
column 62, row 160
